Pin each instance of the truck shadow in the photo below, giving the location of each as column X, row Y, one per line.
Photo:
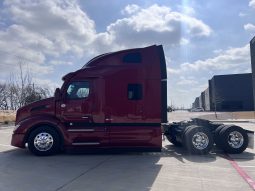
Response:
column 180, row 153
column 78, row 171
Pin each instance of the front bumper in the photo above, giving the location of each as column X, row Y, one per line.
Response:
column 18, row 140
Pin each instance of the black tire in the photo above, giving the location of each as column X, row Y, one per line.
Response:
column 44, row 132
column 187, row 128
column 227, row 146
column 173, row 140
column 189, row 136
column 216, row 136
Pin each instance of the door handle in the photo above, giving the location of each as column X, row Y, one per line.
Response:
column 63, row 105
column 84, row 117
column 108, row 119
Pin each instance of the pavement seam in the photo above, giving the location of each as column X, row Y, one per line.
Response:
column 90, row 169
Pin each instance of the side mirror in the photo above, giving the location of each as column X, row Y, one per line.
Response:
column 57, row 94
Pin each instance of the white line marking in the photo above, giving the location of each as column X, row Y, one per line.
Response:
column 247, row 166
column 5, row 145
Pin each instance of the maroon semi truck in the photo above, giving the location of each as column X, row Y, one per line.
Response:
column 118, row 101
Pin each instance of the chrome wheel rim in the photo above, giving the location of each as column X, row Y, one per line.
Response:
column 200, row 140
column 43, row 141
column 235, row 139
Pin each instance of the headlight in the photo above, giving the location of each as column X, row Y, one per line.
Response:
column 16, row 127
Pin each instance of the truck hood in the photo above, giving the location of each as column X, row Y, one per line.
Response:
column 45, row 107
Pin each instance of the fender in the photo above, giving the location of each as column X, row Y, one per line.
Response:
column 28, row 125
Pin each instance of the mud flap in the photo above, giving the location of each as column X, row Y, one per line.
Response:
column 250, row 139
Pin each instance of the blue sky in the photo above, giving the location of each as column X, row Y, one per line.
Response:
column 200, row 38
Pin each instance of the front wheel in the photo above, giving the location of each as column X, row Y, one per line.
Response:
column 44, row 141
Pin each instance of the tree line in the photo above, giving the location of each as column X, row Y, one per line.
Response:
column 20, row 90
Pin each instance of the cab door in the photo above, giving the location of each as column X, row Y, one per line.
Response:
column 76, row 113
column 125, row 121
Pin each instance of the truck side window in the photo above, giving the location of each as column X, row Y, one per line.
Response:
column 135, row 92
column 134, row 57
column 78, row 90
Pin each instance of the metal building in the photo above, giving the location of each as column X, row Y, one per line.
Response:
column 207, row 99
column 252, row 48
column 200, row 101
column 231, row 92
column 235, row 92
column 196, row 103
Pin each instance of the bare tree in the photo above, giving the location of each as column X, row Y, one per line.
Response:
column 3, row 97
column 13, row 92
column 34, row 93
column 20, row 90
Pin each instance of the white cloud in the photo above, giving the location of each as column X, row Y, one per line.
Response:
column 184, row 41
column 249, row 27
column 156, row 24
column 217, row 51
column 187, row 10
column 183, row 91
column 241, row 14
column 46, row 83
column 230, row 59
column 57, row 18
column 172, row 70
column 129, row 9
column 60, row 62
column 40, row 70
column 197, row 89
column 252, row 3
column 41, row 81
column 41, row 29
column 186, row 81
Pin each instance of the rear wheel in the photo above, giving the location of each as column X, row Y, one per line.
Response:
column 173, row 140
column 198, row 140
column 234, row 139
column 216, row 136
column 44, row 141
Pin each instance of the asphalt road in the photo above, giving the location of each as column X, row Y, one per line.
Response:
column 172, row 169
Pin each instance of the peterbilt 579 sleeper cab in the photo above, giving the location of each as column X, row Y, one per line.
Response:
column 117, row 101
